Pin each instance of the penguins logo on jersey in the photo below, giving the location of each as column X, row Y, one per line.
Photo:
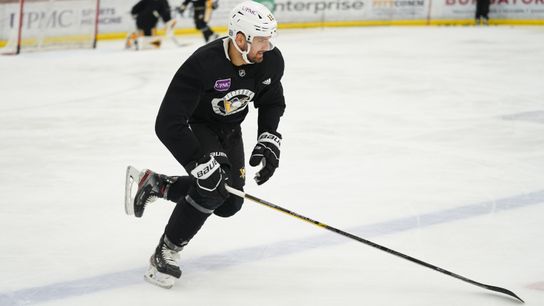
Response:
column 233, row 102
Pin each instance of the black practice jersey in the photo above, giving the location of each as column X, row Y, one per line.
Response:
column 146, row 9
column 209, row 89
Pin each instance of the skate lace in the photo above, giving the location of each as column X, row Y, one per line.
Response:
column 155, row 187
column 170, row 256
column 150, row 199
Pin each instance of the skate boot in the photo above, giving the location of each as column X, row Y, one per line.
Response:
column 132, row 41
column 150, row 187
column 149, row 42
column 163, row 267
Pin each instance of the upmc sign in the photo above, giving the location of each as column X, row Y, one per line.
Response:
column 42, row 15
column 52, row 19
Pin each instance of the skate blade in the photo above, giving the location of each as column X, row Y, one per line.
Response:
column 157, row 278
column 132, row 176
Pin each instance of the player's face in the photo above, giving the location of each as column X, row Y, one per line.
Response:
column 259, row 46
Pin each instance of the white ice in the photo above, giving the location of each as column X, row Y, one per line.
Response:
column 427, row 140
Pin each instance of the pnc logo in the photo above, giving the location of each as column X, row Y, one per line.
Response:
column 222, row 85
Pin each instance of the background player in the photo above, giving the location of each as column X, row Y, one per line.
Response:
column 202, row 13
column 146, row 14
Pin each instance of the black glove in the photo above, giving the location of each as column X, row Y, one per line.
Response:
column 210, row 178
column 215, row 4
column 181, row 9
column 267, row 152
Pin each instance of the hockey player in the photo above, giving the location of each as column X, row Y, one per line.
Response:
column 147, row 14
column 199, row 122
column 202, row 10
column 482, row 12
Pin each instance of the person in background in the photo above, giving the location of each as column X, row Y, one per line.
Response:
column 147, row 14
column 202, row 12
column 482, row 11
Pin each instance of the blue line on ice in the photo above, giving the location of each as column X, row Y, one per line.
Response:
column 126, row 278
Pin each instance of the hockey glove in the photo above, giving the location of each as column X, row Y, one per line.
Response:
column 210, row 178
column 181, row 9
column 215, row 4
column 267, row 153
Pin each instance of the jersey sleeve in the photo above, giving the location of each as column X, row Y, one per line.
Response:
column 270, row 101
column 179, row 102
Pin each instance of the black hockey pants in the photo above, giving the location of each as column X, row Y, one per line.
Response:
column 226, row 145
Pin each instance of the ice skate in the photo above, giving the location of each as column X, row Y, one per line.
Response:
column 149, row 187
column 132, row 41
column 149, row 42
column 163, row 267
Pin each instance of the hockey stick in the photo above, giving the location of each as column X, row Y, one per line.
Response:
column 177, row 42
column 370, row 243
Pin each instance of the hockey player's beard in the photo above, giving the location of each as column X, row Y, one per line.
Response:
column 258, row 57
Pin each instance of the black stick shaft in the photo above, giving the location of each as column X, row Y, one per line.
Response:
column 372, row 244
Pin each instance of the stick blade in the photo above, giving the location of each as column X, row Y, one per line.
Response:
column 504, row 291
